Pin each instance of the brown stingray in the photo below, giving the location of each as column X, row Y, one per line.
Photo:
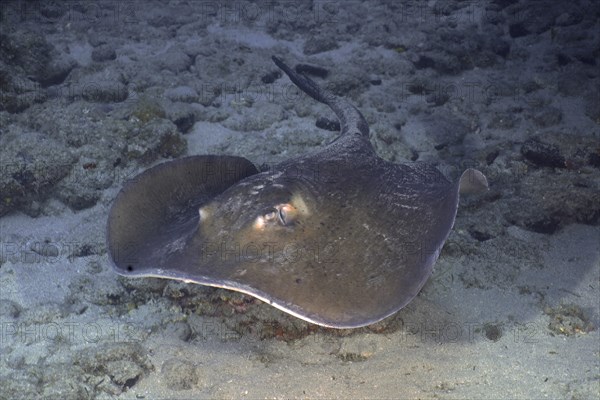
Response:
column 340, row 238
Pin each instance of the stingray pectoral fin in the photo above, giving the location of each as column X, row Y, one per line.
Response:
column 161, row 204
column 472, row 181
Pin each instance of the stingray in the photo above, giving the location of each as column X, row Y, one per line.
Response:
column 339, row 238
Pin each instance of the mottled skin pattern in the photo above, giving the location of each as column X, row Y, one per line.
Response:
column 340, row 237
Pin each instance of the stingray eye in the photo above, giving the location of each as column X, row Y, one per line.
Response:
column 270, row 217
column 287, row 214
column 282, row 215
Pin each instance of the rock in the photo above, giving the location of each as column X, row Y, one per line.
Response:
column 35, row 58
column 568, row 320
column 319, row 44
column 27, row 51
column 437, row 99
column 174, row 59
column 444, row 129
column 178, row 330
column 327, row 124
column 60, row 381
column 255, row 119
column 84, row 185
column 542, row 154
column 270, row 77
column 32, row 164
column 124, row 373
column 122, row 363
column 572, row 83
column 517, row 30
column 347, row 84
column 182, row 115
column 491, row 156
column 19, row 98
column 180, row 374
column 147, row 109
column 104, row 52
column 571, row 196
column 375, row 81
column 158, row 138
column 106, row 86
column 450, row 51
column 550, row 116
column 499, row 46
column 28, row 64
column 56, row 71
column 184, row 94
column 99, row 291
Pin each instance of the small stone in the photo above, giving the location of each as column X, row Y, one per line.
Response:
column 493, row 332
column 542, row 154
column 327, row 124
column 270, row 77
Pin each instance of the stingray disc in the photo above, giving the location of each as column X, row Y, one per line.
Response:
column 340, row 238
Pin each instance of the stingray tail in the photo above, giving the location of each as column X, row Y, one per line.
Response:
column 351, row 120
